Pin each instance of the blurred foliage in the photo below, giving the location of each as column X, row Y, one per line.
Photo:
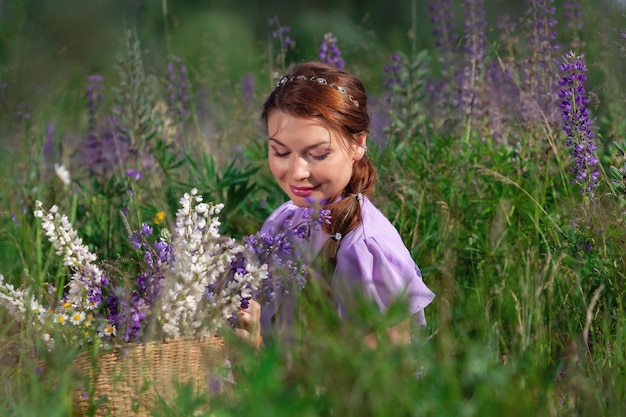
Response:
column 524, row 295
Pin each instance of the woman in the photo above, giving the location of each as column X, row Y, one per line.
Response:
column 317, row 122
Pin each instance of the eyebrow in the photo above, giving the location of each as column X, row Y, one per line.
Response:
column 315, row 145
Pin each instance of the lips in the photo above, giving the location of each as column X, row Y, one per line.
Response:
column 302, row 191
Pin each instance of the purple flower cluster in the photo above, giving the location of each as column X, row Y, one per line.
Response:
column 576, row 123
column 392, row 71
column 94, row 97
column 542, row 33
column 573, row 16
column 128, row 310
column 442, row 19
column 329, row 52
column 280, row 33
column 279, row 250
column 177, row 88
column 23, row 111
column 475, row 54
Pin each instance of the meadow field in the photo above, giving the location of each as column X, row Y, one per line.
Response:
column 499, row 136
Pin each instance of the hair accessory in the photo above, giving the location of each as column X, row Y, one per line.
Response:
column 359, row 197
column 337, row 236
column 284, row 80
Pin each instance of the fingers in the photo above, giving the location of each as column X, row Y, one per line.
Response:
column 249, row 318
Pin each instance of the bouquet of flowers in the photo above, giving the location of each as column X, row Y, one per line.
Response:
column 193, row 282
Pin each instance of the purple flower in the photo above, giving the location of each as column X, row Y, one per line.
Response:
column 286, row 270
column 146, row 230
column 133, row 173
column 442, row 20
column 247, row 88
column 540, row 24
column 393, row 71
column 23, row 111
column 280, row 32
column 329, row 52
column 94, row 96
column 576, row 123
column 573, row 16
column 475, row 54
column 130, row 312
column 136, row 240
column 177, row 88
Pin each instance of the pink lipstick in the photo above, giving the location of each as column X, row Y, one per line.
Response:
column 302, row 191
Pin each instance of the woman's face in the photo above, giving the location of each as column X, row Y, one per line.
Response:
column 310, row 162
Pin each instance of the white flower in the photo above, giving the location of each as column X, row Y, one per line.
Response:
column 75, row 254
column 60, row 319
column 12, row 300
column 77, row 317
column 107, row 330
column 62, row 173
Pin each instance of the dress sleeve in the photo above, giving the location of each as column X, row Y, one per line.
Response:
column 275, row 222
column 385, row 271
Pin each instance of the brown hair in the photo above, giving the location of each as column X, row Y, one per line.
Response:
column 340, row 102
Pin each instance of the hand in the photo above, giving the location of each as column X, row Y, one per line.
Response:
column 249, row 325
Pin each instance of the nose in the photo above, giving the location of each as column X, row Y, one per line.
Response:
column 300, row 169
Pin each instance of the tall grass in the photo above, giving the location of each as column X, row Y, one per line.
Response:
column 474, row 172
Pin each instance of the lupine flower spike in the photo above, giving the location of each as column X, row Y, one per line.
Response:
column 329, row 52
column 576, row 123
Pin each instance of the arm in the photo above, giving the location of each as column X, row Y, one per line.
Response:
column 399, row 334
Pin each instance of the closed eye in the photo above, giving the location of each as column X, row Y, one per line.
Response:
column 320, row 157
column 280, row 155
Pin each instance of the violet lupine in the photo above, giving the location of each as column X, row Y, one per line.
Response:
column 129, row 311
column 23, row 111
column 392, row 71
column 94, row 97
column 442, row 20
column 177, row 88
column 281, row 252
column 247, row 89
column 475, row 54
column 540, row 26
column 280, row 33
column 576, row 123
column 446, row 41
column 330, row 53
column 573, row 16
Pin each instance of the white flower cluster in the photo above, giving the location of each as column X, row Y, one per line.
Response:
column 75, row 255
column 24, row 306
column 203, row 285
column 12, row 300
column 199, row 290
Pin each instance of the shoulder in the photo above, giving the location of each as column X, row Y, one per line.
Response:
column 375, row 226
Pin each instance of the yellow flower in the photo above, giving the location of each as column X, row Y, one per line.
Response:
column 159, row 217
column 67, row 305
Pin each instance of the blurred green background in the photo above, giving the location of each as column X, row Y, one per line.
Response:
column 50, row 44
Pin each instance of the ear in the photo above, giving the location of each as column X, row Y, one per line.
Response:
column 359, row 146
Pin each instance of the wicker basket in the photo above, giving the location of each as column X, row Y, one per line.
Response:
column 132, row 379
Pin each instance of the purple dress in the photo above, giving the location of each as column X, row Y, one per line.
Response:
column 371, row 257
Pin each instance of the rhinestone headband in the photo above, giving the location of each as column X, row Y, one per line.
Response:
column 284, row 80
